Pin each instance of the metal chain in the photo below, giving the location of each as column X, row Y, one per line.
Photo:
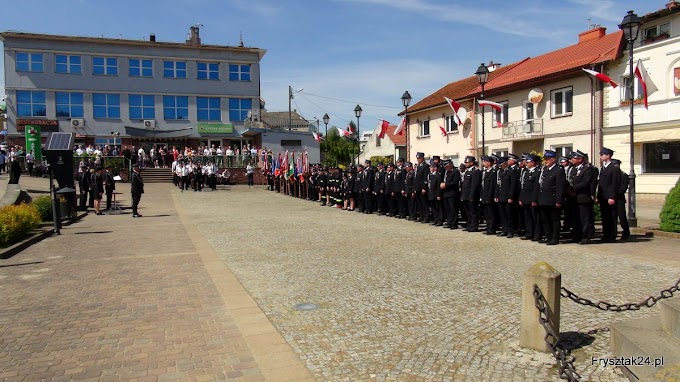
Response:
column 552, row 338
column 603, row 305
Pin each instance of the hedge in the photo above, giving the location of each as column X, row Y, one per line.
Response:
column 670, row 213
column 44, row 206
column 17, row 223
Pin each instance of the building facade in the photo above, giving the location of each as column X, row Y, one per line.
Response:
column 391, row 146
column 131, row 92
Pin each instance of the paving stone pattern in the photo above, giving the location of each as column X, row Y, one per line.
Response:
column 404, row 301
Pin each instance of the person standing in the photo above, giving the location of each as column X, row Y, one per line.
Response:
column 109, row 186
column 528, row 198
column 84, row 187
column 97, row 185
column 451, row 194
column 420, row 188
column 488, row 194
column 30, row 162
column 137, row 189
column 14, row 170
column 249, row 173
column 369, row 179
column 581, row 179
column 609, row 185
column 434, row 194
column 621, row 202
column 470, row 192
column 552, row 186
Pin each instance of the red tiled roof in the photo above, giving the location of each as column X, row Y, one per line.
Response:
column 455, row 90
column 398, row 140
column 562, row 61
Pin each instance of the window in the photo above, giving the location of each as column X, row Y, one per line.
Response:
column 67, row 64
column 562, row 102
column 239, row 72
column 208, row 70
column 500, row 152
column 377, row 140
column 425, row 128
column 30, row 104
column 208, row 109
column 105, row 66
column 625, row 90
column 291, row 143
column 528, row 111
column 174, row 69
column 69, row 105
column 140, row 68
column 451, row 124
column 563, row 151
column 657, row 30
column 142, row 106
column 29, row 62
column 662, row 157
column 500, row 117
column 175, row 107
column 106, row 105
column 239, row 108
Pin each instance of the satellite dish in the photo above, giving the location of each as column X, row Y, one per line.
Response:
column 535, row 95
column 462, row 115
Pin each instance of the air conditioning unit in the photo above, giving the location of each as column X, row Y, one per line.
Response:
column 149, row 123
column 77, row 122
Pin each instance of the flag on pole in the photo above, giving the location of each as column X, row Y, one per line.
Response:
column 317, row 137
column 384, row 125
column 344, row 133
column 443, row 130
column 459, row 112
column 648, row 87
column 400, row 129
column 305, row 163
column 494, row 105
column 602, row 77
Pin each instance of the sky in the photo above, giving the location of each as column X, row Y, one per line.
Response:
column 336, row 54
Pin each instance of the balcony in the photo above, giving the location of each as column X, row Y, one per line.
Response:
column 524, row 129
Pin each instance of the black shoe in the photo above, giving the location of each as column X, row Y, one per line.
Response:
column 625, row 237
column 552, row 242
column 136, row 216
column 510, row 235
column 542, row 241
column 473, row 230
column 524, row 238
column 585, row 242
column 502, row 234
column 535, row 239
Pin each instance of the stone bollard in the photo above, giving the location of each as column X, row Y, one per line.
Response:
column 532, row 334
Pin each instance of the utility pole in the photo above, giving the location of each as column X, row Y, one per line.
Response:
column 290, row 112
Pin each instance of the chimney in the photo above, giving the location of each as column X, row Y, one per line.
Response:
column 493, row 66
column 152, row 37
column 194, row 38
column 592, row 34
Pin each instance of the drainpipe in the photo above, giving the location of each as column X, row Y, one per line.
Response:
column 600, row 85
column 592, row 117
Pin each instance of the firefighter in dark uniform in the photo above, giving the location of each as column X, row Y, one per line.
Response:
column 552, row 186
column 358, row 187
column 470, row 192
column 567, row 224
column 581, row 179
column 351, row 175
column 84, row 187
column 434, row 194
column 367, row 184
column 508, row 195
column 609, row 186
column 451, row 194
column 528, row 198
column 399, row 183
column 420, row 187
column 379, row 189
column 409, row 192
column 621, row 202
column 322, row 183
column 488, row 193
column 389, row 188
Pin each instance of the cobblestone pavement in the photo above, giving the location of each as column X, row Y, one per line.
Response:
column 410, row 302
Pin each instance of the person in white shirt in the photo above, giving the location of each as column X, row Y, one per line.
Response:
column 89, row 150
column 97, row 151
column 226, row 176
column 30, row 162
column 230, row 154
column 206, row 151
column 219, row 153
column 175, row 176
column 141, row 154
column 80, row 151
column 249, row 173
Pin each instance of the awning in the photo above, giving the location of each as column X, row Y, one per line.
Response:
column 253, row 131
column 665, row 135
column 176, row 133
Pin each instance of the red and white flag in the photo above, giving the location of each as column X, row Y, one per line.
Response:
column 458, row 111
column 443, row 130
column 601, row 77
column 648, row 87
column 350, row 129
column 344, row 133
column 317, row 137
column 494, row 105
column 384, row 125
column 400, row 129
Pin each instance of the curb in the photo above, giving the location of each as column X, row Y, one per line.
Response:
column 671, row 235
column 13, row 250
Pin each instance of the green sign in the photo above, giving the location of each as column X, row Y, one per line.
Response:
column 33, row 142
column 215, row 128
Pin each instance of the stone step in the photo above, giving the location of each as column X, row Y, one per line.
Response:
column 670, row 316
column 644, row 340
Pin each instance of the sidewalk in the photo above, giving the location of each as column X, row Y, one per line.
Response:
column 120, row 299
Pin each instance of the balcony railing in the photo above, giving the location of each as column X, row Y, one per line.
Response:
column 523, row 129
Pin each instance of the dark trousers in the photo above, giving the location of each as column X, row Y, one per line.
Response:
column 609, row 218
column 108, row 200
column 136, row 197
column 402, row 201
column 550, row 219
column 412, row 202
column 359, row 200
column 503, row 213
column 184, row 184
column 490, row 216
column 392, row 204
column 623, row 219
column 83, row 201
column 512, row 215
column 531, row 222
column 436, row 209
column 423, row 207
column 380, row 202
column 451, row 210
column 91, row 201
column 368, row 201
column 472, row 213
column 585, row 222
column 250, row 179
column 30, row 168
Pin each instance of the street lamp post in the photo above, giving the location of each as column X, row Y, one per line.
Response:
column 357, row 112
column 483, row 77
column 631, row 27
column 406, row 100
column 326, row 118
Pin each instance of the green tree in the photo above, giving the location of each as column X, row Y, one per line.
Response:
column 339, row 150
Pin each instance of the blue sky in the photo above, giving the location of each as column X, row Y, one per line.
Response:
column 342, row 52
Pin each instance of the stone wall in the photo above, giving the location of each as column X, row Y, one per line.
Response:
column 238, row 175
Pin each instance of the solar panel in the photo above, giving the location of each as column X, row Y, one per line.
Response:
column 60, row 141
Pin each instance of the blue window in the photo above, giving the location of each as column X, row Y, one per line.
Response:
column 208, row 109
column 140, row 68
column 69, row 105
column 174, row 69
column 106, row 105
column 142, row 106
column 67, row 64
column 175, row 107
column 239, row 108
column 208, row 70
column 29, row 62
column 30, row 104
column 105, row 66
column 239, row 72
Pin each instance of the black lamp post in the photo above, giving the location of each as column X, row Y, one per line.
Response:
column 631, row 27
column 357, row 112
column 483, row 77
column 406, row 100
column 326, row 118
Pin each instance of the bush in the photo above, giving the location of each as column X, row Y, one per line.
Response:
column 670, row 213
column 43, row 205
column 17, row 223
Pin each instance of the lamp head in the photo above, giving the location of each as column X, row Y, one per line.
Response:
column 482, row 74
column 357, row 111
column 406, row 99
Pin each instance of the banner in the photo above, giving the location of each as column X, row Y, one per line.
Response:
column 33, row 142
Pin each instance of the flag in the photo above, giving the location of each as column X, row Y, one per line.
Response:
column 344, row 133
column 494, row 105
column 305, row 162
column 458, row 111
column 317, row 137
column 648, row 87
column 384, row 125
column 401, row 127
column 443, row 130
column 350, row 129
column 601, row 77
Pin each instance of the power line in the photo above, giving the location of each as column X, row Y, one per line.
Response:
column 353, row 102
column 324, row 110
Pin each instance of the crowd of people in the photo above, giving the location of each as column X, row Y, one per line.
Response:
column 529, row 197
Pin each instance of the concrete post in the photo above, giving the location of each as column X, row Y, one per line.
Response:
column 547, row 278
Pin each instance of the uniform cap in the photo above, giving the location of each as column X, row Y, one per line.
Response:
column 606, row 151
column 390, row 165
column 448, row 162
column 408, row 164
column 616, row 162
column 436, row 157
column 564, row 159
column 470, row 159
column 533, row 158
column 549, row 154
column 576, row 154
column 502, row 160
column 513, row 156
column 400, row 159
column 420, row 155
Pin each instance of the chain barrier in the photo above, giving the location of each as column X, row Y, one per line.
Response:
column 552, row 339
column 605, row 306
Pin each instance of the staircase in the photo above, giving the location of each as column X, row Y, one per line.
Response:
column 650, row 338
column 156, row 175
